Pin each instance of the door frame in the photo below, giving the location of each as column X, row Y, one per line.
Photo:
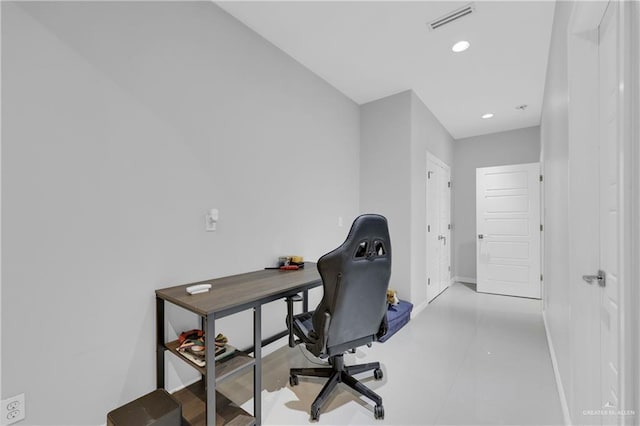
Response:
column 583, row 24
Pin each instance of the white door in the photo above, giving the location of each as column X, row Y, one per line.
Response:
column 508, row 230
column 594, row 228
column 433, row 243
column 438, row 227
column 445, row 228
column 608, row 196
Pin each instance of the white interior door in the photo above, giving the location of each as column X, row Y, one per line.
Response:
column 508, row 230
column 584, row 236
column 433, row 244
column 438, row 227
column 608, row 220
column 444, row 183
column 601, row 204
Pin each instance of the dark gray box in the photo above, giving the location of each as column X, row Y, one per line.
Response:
column 157, row 408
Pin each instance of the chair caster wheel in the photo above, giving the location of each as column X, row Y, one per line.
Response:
column 378, row 412
column 293, row 380
column 377, row 374
column 315, row 413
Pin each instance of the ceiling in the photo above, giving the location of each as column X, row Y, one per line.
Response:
column 372, row 49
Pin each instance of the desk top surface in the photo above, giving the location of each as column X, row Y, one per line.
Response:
column 240, row 291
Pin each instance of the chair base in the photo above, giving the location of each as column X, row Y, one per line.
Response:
column 340, row 373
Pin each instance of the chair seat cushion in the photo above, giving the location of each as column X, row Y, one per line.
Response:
column 303, row 327
column 397, row 317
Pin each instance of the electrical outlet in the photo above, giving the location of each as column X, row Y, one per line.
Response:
column 13, row 415
column 12, row 410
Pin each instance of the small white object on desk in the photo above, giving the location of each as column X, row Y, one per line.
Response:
column 198, row 288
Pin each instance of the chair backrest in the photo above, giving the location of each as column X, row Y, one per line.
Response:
column 355, row 278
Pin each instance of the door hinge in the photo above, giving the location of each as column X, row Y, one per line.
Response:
column 541, row 228
column 428, row 281
column 428, row 228
column 541, row 178
column 429, row 174
column 449, row 268
column 540, row 277
column 449, row 226
column 449, row 184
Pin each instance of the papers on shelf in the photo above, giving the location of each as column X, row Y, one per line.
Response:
column 223, row 352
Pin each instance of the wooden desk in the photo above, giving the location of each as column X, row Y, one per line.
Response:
column 228, row 295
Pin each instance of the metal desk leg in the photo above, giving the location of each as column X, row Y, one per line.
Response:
column 257, row 368
column 305, row 301
column 210, row 358
column 161, row 325
column 203, row 327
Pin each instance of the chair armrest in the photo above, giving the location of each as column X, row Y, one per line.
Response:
column 325, row 334
column 384, row 327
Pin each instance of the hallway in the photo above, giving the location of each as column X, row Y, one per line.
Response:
column 468, row 358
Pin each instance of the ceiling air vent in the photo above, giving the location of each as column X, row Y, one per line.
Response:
column 452, row 16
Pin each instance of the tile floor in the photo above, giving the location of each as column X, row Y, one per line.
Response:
column 467, row 359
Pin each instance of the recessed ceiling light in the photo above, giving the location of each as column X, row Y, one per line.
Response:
column 489, row 115
column 460, row 46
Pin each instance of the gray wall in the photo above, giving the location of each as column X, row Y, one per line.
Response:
column 496, row 149
column 385, row 177
column 123, row 123
column 396, row 133
column 554, row 135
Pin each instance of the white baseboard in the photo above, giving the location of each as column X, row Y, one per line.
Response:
column 419, row 308
column 556, row 372
column 465, row 280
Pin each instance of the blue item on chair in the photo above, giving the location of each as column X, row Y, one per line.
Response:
column 397, row 317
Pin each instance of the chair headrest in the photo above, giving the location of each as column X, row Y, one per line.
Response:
column 368, row 237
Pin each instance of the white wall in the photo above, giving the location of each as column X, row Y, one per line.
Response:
column 396, row 133
column 554, row 136
column 570, row 316
column 496, row 149
column 122, row 124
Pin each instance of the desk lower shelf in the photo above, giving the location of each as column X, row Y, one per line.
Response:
column 193, row 399
column 225, row 368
